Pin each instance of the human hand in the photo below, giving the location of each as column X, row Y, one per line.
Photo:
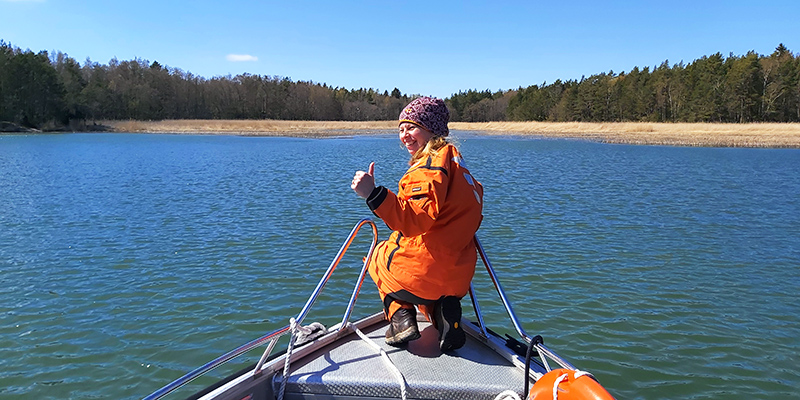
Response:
column 364, row 182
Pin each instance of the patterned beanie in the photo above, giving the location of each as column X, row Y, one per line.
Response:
column 428, row 112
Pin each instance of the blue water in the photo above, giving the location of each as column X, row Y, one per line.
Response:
column 128, row 260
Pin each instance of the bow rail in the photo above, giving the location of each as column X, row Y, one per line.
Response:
column 273, row 337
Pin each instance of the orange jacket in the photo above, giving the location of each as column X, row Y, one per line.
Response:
column 434, row 217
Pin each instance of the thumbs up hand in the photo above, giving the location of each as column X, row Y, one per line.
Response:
column 364, row 182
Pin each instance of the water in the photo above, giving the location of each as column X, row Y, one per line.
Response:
column 128, row 260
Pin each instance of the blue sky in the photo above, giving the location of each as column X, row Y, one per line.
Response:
column 420, row 47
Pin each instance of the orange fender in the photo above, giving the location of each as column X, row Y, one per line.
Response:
column 566, row 384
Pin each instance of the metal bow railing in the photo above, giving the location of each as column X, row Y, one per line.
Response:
column 272, row 337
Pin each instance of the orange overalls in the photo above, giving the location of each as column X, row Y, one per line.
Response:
column 434, row 216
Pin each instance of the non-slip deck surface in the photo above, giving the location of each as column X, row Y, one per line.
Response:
column 354, row 370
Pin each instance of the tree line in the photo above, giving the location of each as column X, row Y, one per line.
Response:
column 749, row 88
column 54, row 91
column 41, row 90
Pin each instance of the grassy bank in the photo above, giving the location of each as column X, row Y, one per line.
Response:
column 677, row 134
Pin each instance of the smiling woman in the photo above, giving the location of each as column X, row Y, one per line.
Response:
column 429, row 260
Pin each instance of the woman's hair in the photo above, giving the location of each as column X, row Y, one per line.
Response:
column 431, row 147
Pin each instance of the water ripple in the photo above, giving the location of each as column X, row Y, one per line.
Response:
column 127, row 260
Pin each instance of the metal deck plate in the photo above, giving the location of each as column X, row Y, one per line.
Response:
column 351, row 369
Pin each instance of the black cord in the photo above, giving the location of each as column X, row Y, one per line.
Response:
column 534, row 341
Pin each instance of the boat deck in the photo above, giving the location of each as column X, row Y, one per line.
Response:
column 351, row 369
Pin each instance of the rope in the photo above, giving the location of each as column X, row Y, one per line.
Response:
column 400, row 379
column 300, row 336
column 576, row 375
column 543, row 358
column 508, row 395
column 556, row 383
column 534, row 341
column 579, row 373
column 294, row 329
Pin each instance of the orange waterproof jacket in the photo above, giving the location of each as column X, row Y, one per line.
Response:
column 434, row 216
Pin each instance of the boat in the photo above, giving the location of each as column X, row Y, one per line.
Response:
column 350, row 360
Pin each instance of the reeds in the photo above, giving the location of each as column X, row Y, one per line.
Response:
column 252, row 127
column 672, row 134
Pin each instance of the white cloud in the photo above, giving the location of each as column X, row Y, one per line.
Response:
column 240, row 57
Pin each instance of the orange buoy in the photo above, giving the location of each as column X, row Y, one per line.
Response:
column 566, row 384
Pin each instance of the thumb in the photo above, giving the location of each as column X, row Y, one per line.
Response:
column 371, row 169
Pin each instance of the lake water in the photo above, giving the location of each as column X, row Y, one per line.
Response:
column 127, row 260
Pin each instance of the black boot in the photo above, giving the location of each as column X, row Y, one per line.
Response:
column 447, row 314
column 403, row 327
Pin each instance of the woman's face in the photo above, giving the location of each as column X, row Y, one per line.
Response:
column 413, row 136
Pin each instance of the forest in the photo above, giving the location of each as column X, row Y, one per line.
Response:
column 52, row 91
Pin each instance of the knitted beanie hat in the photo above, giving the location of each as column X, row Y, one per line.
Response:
column 428, row 112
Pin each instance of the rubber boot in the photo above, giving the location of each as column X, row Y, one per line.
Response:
column 402, row 327
column 448, row 322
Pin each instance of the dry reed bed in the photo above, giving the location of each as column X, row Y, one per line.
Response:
column 673, row 134
column 252, row 127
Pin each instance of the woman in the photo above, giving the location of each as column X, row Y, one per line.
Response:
column 429, row 259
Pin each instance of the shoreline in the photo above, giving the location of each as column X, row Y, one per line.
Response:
column 758, row 135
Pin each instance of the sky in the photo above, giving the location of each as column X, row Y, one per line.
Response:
column 433, row 48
